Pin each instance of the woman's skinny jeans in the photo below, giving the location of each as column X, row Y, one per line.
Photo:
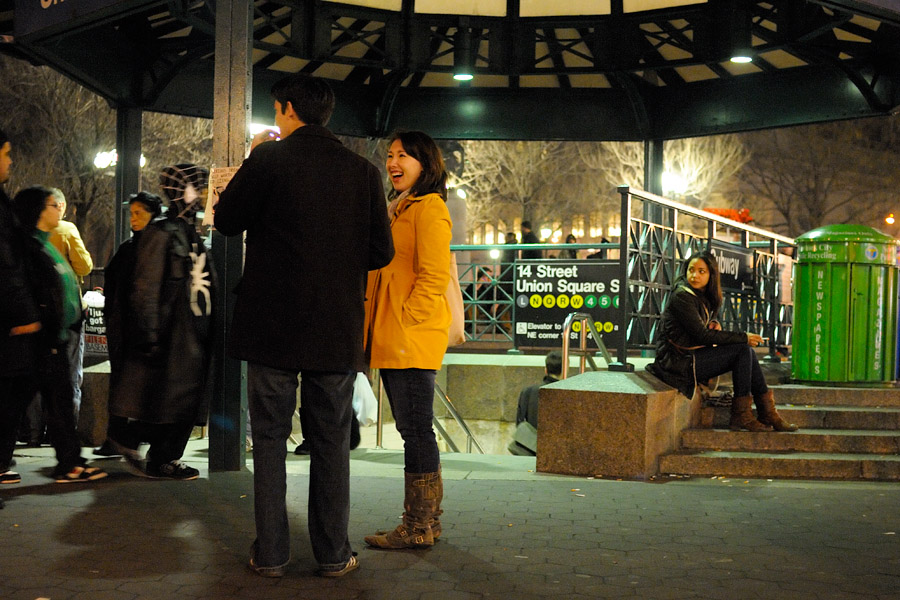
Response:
column 411, row 394
column 740, row 359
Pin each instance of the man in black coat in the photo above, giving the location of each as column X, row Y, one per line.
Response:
column 525, row 438
column 316, row 223
column 19, row 322
column 528, row 237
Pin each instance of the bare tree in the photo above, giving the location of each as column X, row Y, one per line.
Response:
column 704, row 164
column 816, row 175
column 536, row 181
column 58, row 128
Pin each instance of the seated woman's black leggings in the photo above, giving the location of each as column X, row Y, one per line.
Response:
column 740, row 359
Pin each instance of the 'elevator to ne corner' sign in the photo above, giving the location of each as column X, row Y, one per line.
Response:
column 546, row 291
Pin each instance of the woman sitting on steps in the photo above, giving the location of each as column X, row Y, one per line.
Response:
column 692, row 347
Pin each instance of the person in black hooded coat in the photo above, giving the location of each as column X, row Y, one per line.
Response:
column 165, row 363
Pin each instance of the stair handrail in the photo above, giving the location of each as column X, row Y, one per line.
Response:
column 470, row 437
column 448, row 404
column 587, row 324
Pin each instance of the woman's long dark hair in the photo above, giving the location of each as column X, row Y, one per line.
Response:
column 433, row 179
column 713, row 291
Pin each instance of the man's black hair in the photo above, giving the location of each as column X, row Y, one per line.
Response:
column 311, row 97
column 3, row 138
column 29, row 204
column 526, row 225
column 553, row 363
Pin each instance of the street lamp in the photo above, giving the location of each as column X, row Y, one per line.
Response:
column 674, row 183
column 104, row 160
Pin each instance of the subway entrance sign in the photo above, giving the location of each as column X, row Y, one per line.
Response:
column 546, row 291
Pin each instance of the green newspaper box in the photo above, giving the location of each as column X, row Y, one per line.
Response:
column 845, row 306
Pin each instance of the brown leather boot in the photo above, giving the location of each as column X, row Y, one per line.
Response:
column 421, row 504
column 765, row 410
column 742, row 416
column 437, row 492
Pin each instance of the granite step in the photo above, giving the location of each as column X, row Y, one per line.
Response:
column 845, row 441
column 828, row 417
column 843, row 417
column 764, row 465
column 804, row 395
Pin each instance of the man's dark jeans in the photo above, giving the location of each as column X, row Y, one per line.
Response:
column 15, row 394
column 411, row 394
column 326, row 408
column 56, row 394
column 54, row 383
column 740, row 359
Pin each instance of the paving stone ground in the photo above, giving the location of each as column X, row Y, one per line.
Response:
column 508, row 533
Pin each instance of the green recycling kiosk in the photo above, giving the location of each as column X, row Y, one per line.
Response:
column 845, row 306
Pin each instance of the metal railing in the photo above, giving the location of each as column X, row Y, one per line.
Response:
column 448, row 404
column 470, row 437
column 654, row 250
column 651, row 252
column 586, row 322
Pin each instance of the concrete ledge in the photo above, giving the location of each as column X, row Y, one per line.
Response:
column 94, row 415
column 610, row 424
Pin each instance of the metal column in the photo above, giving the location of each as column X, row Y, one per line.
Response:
column 129, row 125
column 653, row 170
column 231, row 115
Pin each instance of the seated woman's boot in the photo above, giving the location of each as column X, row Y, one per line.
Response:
column 765, row 409
column 742, row 415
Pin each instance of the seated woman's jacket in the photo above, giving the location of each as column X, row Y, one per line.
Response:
column 683, row 329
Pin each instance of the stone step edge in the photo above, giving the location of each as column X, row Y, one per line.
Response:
column 780, row 455
column 840, row 441
column 832, row 396
column 834, row 408
column 802, row 432
column 761, row 465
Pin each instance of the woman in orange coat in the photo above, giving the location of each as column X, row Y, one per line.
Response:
column 407, row 320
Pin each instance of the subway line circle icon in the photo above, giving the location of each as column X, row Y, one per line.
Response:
column 871, row 252
column 535, row 301
column 549, row 301
column 576, row 301
column 562, row 301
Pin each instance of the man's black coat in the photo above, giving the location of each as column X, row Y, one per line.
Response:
column 316, row 223
column 17, row 303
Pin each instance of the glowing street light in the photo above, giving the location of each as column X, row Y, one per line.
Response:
column 889, row 219
column 674, row 183
column 104, row 160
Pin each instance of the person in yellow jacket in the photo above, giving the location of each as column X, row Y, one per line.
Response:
column 66, row 239
column 407, row 323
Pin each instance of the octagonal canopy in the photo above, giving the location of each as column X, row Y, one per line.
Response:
column 581, row 69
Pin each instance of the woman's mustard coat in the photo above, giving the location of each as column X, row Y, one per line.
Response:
column 407, row 317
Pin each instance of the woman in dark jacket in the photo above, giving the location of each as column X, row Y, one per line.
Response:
column 143, row 208
column 165, row 360
column 692, row 347
column 55, row 288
